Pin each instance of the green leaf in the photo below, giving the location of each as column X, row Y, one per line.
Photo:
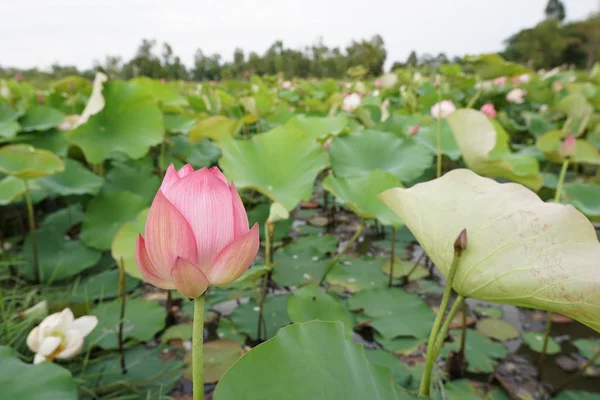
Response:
column 588, row 348
column 260, row 213
column 427, row 137
column 129, row 123
column 400, row 372
column 485, row 148
column 47, row 381
column 217, row 128
column 245, row 317
column 123, row 243
column 9, row 127
column 105, row 214
column 12, row 189
column 161, row 92
column 74, row 180
column 41, row 118
column 219, row 356
column 464, row 389
column 403, row 267
column 584, row 197
column 179, row 123
column 489, row 312
column 143, row 319
column 312, row 303
column 226, row 330
column 520, row 249
column 579, row 395
column 356, row 274
column 360, row 194
column 578, row 110
column 25, row 162
column 180, row 331
column 535, row 341
column 136, row 176
column 497, row 329
column 100, row 286
column 202, row 154
column 52, row 140
column 318, row 127
column 359, row 153
column 394, row 312
column 481, row 352
column 489, row 66
column 310, row 359
column 282, row 164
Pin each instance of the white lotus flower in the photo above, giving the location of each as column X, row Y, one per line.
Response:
column 524, row 78
column 287, row 85
column 351, row 102
column 442, row 109
column 516, row 96
column 60, row 336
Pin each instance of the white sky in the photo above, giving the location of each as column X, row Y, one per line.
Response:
column 40, row 32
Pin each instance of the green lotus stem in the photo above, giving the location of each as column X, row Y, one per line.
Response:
column 123, row 300
column 430, row 358
column 269, row 229
column 474, row 99
column 577, row 374
column 463, row 336
column 561, row 179
column 31, row 218
column 392, row 256
column 349, row 243
column 444, row 330
column 198, row 350
column 414, row 267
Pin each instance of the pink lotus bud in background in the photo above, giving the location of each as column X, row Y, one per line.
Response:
column 378, row 83
column 489, row 110
column 500, row 81
column 287, row 85
column 524, row 78
column 557, row 86
column 442, row 109
column 516, row 96
column 568, row 147
column 196, row 234
column 413, row 130
column 351, row 102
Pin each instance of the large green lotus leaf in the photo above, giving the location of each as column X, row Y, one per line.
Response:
column 318, row 127
column 202, row 154
column 312, row 303
column 549, row 144
column 282, row 164
column 101, row 286
column 275, row 313
column 143, row 319
column 216, row 128
column 106, row 213
column 520, row 251
column 485, row 149
column 584, row 197
column 8, row 122
column 361, row 152
column 13, row 189
column 130, row 123
column 578, row 110
column 40, row 118
column 314, row 360
column 162, row 92
column 46, row 381
column 489, row 66
column 136, row 176
column 481, row 352
column 52, row 140
column 360, row 194
column 26, row 162
column 123, row 244
column 427, row 137
column 356, row 274
column 74, row 180
column 179, row 123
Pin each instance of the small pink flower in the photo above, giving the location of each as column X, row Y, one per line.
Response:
column 378, row 83
column 351, row 102
column 413, row 130
column 442, row 109
column 489, row 110
column 557, row 86
column 516, row 96
column 500, row 81
column 197, row 233
column 287, row 85
column 524, row 78
column 568, row 147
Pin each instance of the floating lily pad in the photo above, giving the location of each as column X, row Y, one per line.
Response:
column 101, row 286
column 489, row 312
column 74, row 180
column 315, row 352
column 535, row 341
column 481, row 352
column 41, row 118
column 588, row 348
column 219, row 356
column 245, row 317
column 401, row 345
column 226, row 330
column 312, row 303
column 497, row 329
column 216, row 128
column 123, row 243
column 143, row 319
column 400, row 372
column 282, row 164
column 356, row 274
column 47, row 381
column 26, row 162
column 403, row 267
column 180, row 331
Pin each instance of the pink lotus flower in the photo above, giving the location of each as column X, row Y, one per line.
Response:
column 351, row 102
column 378, row 82
column 524, row 78
column 196, row 234
column 516, row 96
column 500, row 81
column 413, row 130
column 557, row 86
column 287, row 85
column 489, row 110
column 568, row 148
column 442, row 109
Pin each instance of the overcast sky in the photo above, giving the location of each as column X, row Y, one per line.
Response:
column 77, row 32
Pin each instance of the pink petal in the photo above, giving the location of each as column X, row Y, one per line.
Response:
column 217, row 172
column 240, row 218
column 168, row 235
column 160, row 278
column 170, row 178
column 235, row 259
column 189, row 280
column 205, row 202
column 185, row 170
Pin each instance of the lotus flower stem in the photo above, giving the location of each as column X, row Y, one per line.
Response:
column 349, row 243
column 463, row 336
column 414, row 267
column 122, row 315
column 447, row 322
column 474, row 98
column 561, row 179
column 269, row 230
column 577, row 374
column 392, row 255
column 438, row 139
column 435, row 330
column 197, row 349
column 31, row 218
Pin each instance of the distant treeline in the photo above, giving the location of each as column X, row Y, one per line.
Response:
column 548, row 44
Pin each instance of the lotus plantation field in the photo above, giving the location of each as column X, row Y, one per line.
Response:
column 423, row 233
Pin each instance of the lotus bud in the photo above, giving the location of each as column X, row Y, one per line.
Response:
column 489, row 110
column 516, row 96
column 442, row 109
column 351, row 102
column 524, row 78
column 568, row 147
column 378, row 82
column 461, row 242
column 413, row 130
column 60, row 336
column 287, row 85
column 196, row 234
column 557, row 86
column 500, row 81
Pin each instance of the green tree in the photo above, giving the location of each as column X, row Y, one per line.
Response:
column 555, row 9
column 585, row 41
column 369, row 53
column 412, row 59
